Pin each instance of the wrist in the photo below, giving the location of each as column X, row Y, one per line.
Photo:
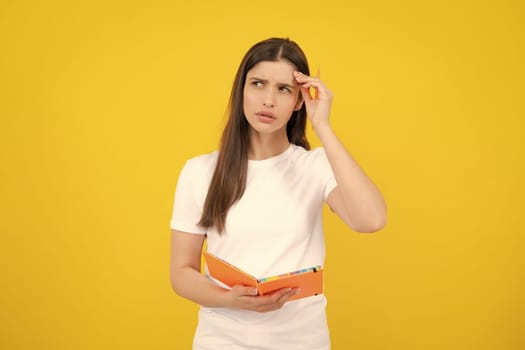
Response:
column 227, row 300
column 323, row 129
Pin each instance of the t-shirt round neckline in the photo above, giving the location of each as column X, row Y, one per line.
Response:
column 272, row 160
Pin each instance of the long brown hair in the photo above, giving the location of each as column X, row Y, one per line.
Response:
column 229, row 179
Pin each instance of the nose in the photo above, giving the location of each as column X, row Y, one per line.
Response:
column 269, row 98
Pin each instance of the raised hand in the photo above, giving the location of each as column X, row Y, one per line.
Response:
column 318, row 107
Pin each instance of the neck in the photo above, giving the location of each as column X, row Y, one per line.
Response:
column 266, row 146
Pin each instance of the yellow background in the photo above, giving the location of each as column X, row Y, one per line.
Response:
column 102, row 102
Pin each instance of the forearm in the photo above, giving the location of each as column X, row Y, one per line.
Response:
column 364, row 204
column 192, row 285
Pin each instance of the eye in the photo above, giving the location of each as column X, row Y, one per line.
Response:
column 257, row 83
column 285, row 89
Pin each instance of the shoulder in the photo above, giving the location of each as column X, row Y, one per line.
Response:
column 198, row 170
column 313, row 163
column 202, row 163
column 304, row 156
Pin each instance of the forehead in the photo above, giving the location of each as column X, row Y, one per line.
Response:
column 282, row 70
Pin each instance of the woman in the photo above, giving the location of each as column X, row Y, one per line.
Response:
column 258, row 200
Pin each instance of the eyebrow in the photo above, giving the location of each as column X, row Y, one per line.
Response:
column 265, row 81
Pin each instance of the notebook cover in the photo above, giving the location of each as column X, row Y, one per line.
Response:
column 227, row 273
column 309, row 281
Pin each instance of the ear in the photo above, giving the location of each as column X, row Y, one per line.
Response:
column 299, row 103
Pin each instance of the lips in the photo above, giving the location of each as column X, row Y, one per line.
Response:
column 265, row 117
column 265, row 114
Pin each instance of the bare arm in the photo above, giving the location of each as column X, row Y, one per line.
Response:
column 186, row 279
column 356, row 200
column 188, row 282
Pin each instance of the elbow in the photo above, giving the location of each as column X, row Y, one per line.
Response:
column 178, row 289
column 372, row 225
column 370, row 228
column 175, row 283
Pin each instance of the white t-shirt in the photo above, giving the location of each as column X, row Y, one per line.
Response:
column 276, row 227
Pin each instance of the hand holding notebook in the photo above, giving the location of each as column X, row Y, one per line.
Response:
column 309, row 281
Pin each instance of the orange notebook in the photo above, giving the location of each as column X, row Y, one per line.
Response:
column 309, row 281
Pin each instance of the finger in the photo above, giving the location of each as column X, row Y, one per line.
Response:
column 274, row 301
column 275, row 296
column 308, row 82
column 284, row 298
column 240, row 291
column 312, row 83
column 305, row 91
column 316, row 94
column 301, row 76
column 313, row 91
column 303, row 79
column 282, row 295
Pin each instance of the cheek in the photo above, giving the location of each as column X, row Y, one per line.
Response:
column 251, row 99
column 245, row 100
column 288, row 102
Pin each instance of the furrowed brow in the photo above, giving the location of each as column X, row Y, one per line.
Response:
column 287, row 85
column 258, row 79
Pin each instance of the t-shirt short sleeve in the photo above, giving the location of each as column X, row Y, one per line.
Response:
column 187, row 209
column 324, row 171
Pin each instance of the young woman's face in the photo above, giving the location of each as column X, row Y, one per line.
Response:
column 271, row 94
